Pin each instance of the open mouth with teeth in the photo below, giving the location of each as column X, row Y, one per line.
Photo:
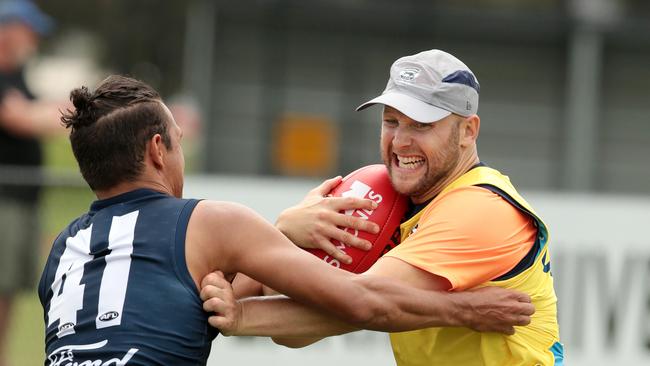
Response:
column 408, row 162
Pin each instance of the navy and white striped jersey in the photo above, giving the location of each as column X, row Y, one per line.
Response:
column 116, row 289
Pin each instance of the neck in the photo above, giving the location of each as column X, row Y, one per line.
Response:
column 463, row 166
column 131, row 186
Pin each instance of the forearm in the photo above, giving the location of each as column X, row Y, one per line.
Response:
column 281, row 317
column 36, row 120
column 244, row 286
column 393, row 306
column 364, row 301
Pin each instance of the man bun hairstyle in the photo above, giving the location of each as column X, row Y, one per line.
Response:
column 110, row 128
column 80, row 98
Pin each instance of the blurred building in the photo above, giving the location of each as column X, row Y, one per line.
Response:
column 564, row 96
column 564, row 101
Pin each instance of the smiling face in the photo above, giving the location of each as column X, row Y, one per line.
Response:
column 419, row 156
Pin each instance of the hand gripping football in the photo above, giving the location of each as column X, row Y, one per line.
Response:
column 370, row 182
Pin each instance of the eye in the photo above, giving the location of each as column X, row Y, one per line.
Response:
column 422, row 126
column 390, row 123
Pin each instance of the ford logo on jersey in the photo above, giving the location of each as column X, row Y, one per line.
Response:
column 65, row 356
column 108, row 316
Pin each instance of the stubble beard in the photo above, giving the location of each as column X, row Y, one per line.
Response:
column 444, row 161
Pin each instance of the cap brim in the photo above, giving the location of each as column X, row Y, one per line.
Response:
column 413, row 108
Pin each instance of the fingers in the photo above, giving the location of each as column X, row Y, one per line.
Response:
column 523, row 320
column 349, row 239
column 527, row 309
column 219, row 322
column 330, row 248
column 224, row 315
column 355, row 223
column 327, row 186
column 218, row 299
column 213, row 292
column 522, row 297
column 215, row 278
column 214, row 304
column 501, row 310
column 351, row 203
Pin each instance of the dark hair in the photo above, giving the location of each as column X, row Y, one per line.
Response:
column 110, row 128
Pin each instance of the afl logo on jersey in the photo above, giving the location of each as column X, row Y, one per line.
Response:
column 66, row 326
column 108, row 316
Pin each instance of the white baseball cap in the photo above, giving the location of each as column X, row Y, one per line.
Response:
column 429, row 86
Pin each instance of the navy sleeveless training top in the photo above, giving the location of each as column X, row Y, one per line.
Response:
column 116, row 289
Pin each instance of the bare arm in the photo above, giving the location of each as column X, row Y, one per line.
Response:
column 244, row 286
column 215, row 286
column 248, row 244
column 295, row 325
column 243, row 314
column 33, row 118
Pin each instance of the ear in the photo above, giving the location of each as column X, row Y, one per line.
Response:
column 156, row 151
column 469, row 129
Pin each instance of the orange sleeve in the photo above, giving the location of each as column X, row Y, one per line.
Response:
column 469, row 236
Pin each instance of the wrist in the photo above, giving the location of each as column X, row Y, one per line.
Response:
column 279, row 223
column 239, row 321
column 461, row 313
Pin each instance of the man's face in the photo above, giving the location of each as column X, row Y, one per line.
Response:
column 418, row 155
column 175, row 158
column 18, row 42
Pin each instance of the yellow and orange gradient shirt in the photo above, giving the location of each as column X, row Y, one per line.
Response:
column 475, row 231
column 471, row 236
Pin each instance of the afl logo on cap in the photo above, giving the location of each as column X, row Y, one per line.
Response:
column 409, row 74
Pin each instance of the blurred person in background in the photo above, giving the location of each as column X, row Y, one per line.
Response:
column 23, row 120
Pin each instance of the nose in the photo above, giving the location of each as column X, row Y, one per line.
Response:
column 401, row 137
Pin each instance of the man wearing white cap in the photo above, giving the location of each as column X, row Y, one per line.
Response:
column 468, row 226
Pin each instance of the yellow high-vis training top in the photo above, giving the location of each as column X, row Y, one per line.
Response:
column 480, row 232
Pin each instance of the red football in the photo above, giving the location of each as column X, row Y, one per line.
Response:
column 371, row 182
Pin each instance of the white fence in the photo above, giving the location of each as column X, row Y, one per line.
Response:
column 600, row 262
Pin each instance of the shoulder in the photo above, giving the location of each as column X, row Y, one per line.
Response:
column 470, row 200
column 222, row 213
column 221, row 224
column 474, row 211
column 82, row 222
